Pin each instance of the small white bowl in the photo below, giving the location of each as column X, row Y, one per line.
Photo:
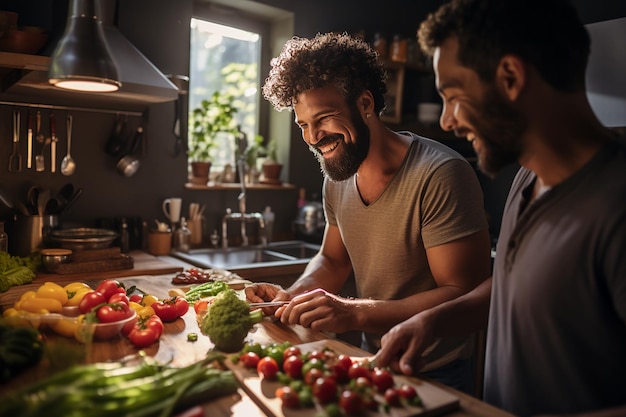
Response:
column 106, row 331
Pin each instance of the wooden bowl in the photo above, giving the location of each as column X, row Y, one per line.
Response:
column 23, row 41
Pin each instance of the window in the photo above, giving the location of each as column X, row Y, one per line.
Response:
column 226, row 59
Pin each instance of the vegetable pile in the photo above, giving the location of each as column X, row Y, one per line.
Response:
column 337, row 384
column 228, row 321
column 117, row 389
column 20, row 348
column 17, row 270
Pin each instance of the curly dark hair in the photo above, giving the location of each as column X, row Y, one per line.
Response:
column 346, row 62
column 548, row 34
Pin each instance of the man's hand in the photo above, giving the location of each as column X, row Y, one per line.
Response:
column 402, row 346
column 319, row 310
column 260, row 292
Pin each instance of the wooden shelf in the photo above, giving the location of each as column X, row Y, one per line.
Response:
column 237, row 186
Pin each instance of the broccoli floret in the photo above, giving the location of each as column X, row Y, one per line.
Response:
column 228, row 321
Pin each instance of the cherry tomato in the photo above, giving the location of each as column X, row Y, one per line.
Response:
column 409, row 393
column 357, row 370
column 345, row 361
column 288, row 396
column 350, row 402
column 382, row 379
column 136, row 298
column 110, row 313
column 118, row 297
column 311, row 376
column 325, row 390
column 290, row 351
column 142, row 337
column 292, row 366
column 201, row 306
column 316, row 354
column 108, row 287
column 170, row 309
column 339, row 372
column 267, row 367
column 392, row 397
column 312, row 363
column 91, row 300
column 249, row 359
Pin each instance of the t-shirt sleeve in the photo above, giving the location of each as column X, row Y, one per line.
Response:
column 453, row 205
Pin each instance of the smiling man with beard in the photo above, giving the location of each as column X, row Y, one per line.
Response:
column 512, row 76
column 404, row 213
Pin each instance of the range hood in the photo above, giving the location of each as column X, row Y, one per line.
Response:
column 142, row 82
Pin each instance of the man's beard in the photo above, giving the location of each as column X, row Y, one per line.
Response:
column 499, row 128
column 349, row 155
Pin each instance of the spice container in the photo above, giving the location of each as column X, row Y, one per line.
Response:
column 182, row 237
column 398, row 51
column 380, row 45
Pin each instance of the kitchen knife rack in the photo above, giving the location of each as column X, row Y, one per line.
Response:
column 71, row 108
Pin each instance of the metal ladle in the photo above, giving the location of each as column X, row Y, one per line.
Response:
column 67, row 164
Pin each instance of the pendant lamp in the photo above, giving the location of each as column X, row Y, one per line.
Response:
column 82, row 60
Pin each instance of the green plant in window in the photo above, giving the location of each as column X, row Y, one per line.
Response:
column 214, row 116
column 272, row 151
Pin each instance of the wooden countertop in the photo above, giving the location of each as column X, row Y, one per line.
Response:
column 173, row 346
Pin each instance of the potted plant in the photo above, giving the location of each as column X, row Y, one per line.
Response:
column 253, row 152
column 211, row 118
column 271, row 167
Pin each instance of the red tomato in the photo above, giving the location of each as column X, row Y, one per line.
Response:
column 339, row 372
column 288, row 396
column 267, row 367
column 407, row 392
column 118, row 297
column 311, row 376
column 142, row 337
column 136, row 298
column 290, row 351
column 382, row 379
column 201, row 306
column 155, row 323
column 392, row 397
column 249, row 359
column 293, row 366
column 90, row 300
column 345, row 361
column 350, row 402
column 108, row 287
column 170, row 309
column 110, row 313
column 325, row 389
column 316, row 354
column 356, row 370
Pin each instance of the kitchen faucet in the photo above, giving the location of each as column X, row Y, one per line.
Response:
column 242, row 216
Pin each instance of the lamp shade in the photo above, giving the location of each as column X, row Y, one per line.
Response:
column 82, row 60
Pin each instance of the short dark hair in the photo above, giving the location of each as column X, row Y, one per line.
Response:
column 346, row 62
column 548, row 34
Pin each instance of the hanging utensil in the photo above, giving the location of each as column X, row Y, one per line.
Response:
column 53, row 143
column 29, row 161
column 39, row 159
column 68, row 165
column 15, row 159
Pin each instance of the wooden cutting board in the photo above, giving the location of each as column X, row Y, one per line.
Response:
column 436, row 401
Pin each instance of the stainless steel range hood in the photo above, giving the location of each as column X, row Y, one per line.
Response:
column 142, row 82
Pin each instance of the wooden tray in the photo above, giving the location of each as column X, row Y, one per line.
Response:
column 436, row 401
column 102, row 265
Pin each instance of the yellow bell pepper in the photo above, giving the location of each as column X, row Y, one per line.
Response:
column 53, row 290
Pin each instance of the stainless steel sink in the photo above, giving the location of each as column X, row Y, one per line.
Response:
column 274, row 254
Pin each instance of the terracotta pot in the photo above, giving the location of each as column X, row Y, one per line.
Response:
column 200, row 172
column 271, row 172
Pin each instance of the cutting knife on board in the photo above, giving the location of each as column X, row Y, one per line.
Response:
column 53, row 144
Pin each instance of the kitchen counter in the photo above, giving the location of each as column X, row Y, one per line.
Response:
column 173, row 346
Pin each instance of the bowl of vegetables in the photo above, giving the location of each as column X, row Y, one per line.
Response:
column 104, row 330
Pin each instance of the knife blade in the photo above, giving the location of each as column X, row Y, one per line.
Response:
column 269, row 304
column 29, row 161
column 53, row 144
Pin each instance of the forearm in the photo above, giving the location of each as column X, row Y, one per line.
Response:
column 463, row 315
column 380, row 315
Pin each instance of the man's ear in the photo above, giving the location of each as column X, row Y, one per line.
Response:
column 511, row 76
column 365, row 103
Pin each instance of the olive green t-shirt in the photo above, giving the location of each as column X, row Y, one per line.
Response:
column 434, row 198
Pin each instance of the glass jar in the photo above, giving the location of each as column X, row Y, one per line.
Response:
column 398, row 49
column 182, row 237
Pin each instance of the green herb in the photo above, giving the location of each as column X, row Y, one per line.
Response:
column 192, row 337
